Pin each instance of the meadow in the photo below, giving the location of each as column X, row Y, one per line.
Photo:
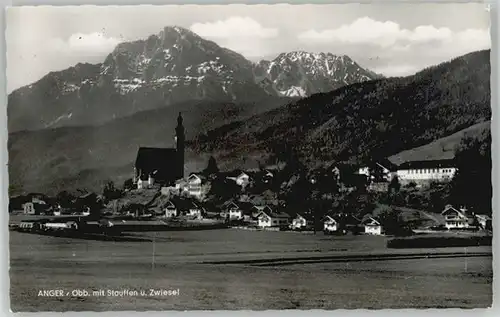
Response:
column 214, row 269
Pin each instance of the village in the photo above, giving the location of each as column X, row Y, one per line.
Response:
column 336, row 199
column 247, row 200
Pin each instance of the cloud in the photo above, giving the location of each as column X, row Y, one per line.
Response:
column 389, row 49
column 234, row 27
column 390, row 34
column 396, row 70
column 93, row 43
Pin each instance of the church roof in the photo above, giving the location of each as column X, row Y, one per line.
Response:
column 151, row 158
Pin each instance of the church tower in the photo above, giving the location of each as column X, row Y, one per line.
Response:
column 180, row 139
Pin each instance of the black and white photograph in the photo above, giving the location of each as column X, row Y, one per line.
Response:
column 249, row 157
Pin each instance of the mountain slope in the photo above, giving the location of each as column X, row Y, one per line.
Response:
column 168, row 68
column 174, row 66
column 51, row 160
column 368, row 120
column 352, row 124
column 443, row 148
column 303, row 74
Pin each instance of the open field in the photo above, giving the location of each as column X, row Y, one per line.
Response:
column 325, row 272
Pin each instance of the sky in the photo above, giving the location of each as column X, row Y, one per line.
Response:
column 391, row 39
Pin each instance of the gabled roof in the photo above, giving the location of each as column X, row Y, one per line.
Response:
column 199, row 176
column 462, row 213
column 275, row 214
column 183, row 204
column 262, row 208
column 370, row 221
column 170, row 204
column 427, row 164
column 238, row 173
column 155, row 158
column 243, row 205
column 382, row 163
column 307, row 217
column 329, row 218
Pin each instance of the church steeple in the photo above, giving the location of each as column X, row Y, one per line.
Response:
column 180, row 138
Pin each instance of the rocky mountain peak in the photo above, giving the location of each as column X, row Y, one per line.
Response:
column 172, row 66
column 301, row 73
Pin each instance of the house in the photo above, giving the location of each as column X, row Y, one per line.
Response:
column 161, row 165
column 425, row 172
column 37, row 205
column 382, row 171
column 373, row 226
column 186, row 207
column 456, row 218
column 330, row 224
column 266, row 176
column 87, row 203
column 273, row 219
column 181, row 186
column 34, row 208
column 241, row 178
column 195, row 210
column 484, row 222
column 195, row 185
column 238, row 210
column 136, row 210
column 170, row 210
column 302, row 221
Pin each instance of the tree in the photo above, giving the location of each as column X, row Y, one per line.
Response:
column 222, row 190
column 128, row 184
column 394, row 185
column 391, row 220
column 393, row 189
column 65, row 199
column 212, row 167
column 110, row 192
column 471, row 186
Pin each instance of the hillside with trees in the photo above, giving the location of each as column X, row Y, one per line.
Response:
column 368, row 120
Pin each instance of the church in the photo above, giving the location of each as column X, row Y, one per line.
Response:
column 161, row 166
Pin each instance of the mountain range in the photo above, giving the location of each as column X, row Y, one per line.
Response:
column 365, row 121
column 79, row 127
column 171, row 67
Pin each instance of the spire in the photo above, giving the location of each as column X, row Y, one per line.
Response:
column 179, row 119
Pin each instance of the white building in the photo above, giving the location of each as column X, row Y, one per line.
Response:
column 241, row 179
column 426, row 171
column 456, row 218
column 330, row 224
column 302, row 222
column 376, row 170
column 273, row 219
column 170, row 210
column 238, row 210
column 195, row 210
column 373, row 226
column 194, row 185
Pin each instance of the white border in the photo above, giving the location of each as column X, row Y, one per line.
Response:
column 4, row 235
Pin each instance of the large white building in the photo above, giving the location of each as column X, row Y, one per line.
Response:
column 426, row 171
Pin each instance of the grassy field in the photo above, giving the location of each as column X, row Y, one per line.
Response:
column 187, row 261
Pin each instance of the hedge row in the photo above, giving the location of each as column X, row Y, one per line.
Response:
column 439, row 242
